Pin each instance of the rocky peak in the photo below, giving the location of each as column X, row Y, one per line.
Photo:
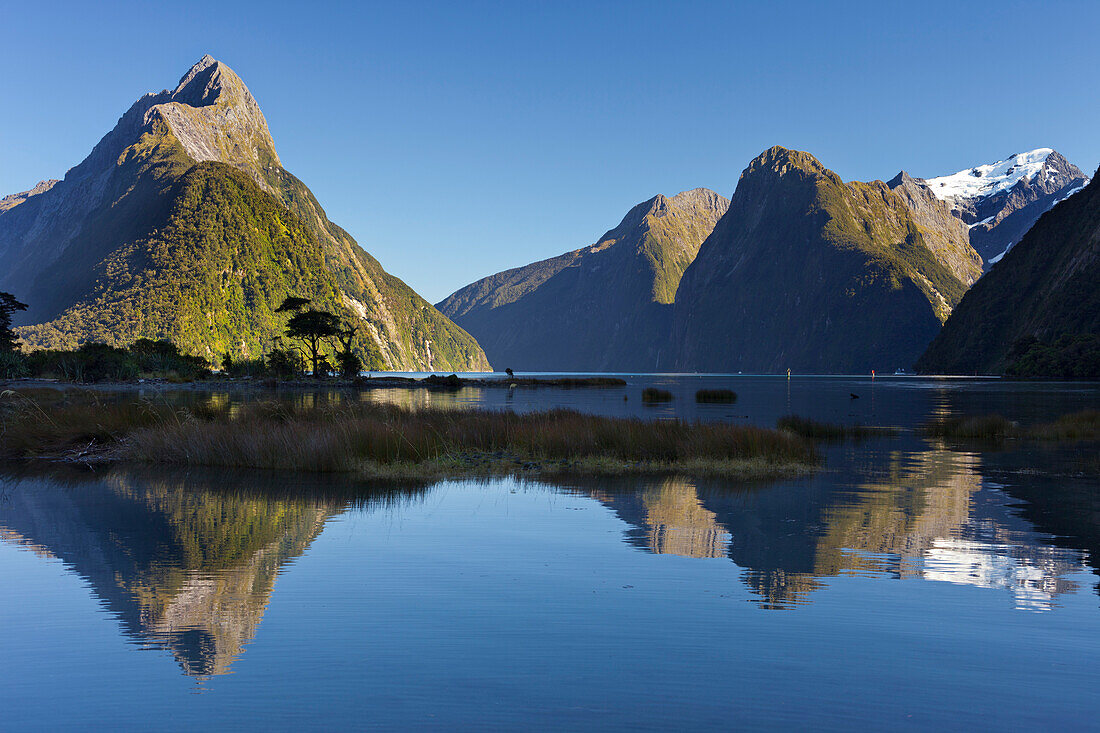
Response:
column 12, row 200
column 215, row 117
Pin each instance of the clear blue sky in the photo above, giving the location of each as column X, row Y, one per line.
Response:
column 454, row 140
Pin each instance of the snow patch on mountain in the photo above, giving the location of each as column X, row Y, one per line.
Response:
column 984, row 180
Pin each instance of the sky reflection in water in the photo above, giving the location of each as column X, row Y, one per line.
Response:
column 885, row 589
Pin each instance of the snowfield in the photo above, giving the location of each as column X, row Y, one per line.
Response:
column 985, row 180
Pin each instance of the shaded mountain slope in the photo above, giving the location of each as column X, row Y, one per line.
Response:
column 606, row 307
column 807, row 272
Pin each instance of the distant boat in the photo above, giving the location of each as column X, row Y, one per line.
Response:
column 902, row 373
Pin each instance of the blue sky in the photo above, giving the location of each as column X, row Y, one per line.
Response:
column 454, row 140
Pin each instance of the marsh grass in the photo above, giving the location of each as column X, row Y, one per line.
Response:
column 1078, row 426
column 652, row 395
column 816, row 430
column 716, row 395
column 389, row 441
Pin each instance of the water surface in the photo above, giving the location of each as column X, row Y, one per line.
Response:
column 911, row 584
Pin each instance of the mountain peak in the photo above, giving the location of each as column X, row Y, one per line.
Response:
column 993, row 178
column 780, row 161
column 215, row 117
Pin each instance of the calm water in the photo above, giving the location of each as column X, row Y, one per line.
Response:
column 908, row 585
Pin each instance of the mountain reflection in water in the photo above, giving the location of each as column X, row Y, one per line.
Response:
column 187, row 561
column 924, row 516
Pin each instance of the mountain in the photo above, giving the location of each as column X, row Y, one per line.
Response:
column 605, row 307
column 12, row 200
column 807, row 272
column 182, row 223
column 1044, row 287
column 1001, row 201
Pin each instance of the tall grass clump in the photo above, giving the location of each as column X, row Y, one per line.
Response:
column 988, row 428
column 653, row 395
column 816, row 430
column 386, row 440
column 1084, row 425
column 716, row 395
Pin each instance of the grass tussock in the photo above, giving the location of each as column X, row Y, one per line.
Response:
column 816, row 430
column 653, row 395
column 716, row 395
column 386, row 441
column 1084, row 425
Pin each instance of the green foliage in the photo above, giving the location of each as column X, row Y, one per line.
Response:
column 209, row 279
column 95, row 362
column 312, row 328
column 285, row 363
column 1071, row 356
column 8, row 306
column 13, row 365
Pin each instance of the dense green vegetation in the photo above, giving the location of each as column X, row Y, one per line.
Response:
column 1036, row 313
column 209, row 279
column 201, row 253
column 95, row 362
column 1067, row 357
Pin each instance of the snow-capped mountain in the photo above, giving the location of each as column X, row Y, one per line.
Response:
column 1001, row 201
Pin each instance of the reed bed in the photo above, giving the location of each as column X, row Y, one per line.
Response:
column 716, row 395
column 385, row 440
column 816, row 430
column 1077, row 426
column 652, row 395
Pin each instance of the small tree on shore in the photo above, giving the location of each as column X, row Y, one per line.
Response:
column 8, row 306
column 313, row 328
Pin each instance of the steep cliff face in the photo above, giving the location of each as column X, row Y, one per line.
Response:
column 60, row 249
column 606, row 307
column 945, row 234
column 807, row 272
column 1043, row 288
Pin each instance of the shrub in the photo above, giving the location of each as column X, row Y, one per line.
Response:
column 13, row 365
column 285, row 363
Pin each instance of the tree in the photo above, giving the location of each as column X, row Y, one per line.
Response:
column 346, row 359
column 291, row 304
column 8, row 306
column 312, row 328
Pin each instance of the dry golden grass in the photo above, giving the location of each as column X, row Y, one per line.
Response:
column 389, row 441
